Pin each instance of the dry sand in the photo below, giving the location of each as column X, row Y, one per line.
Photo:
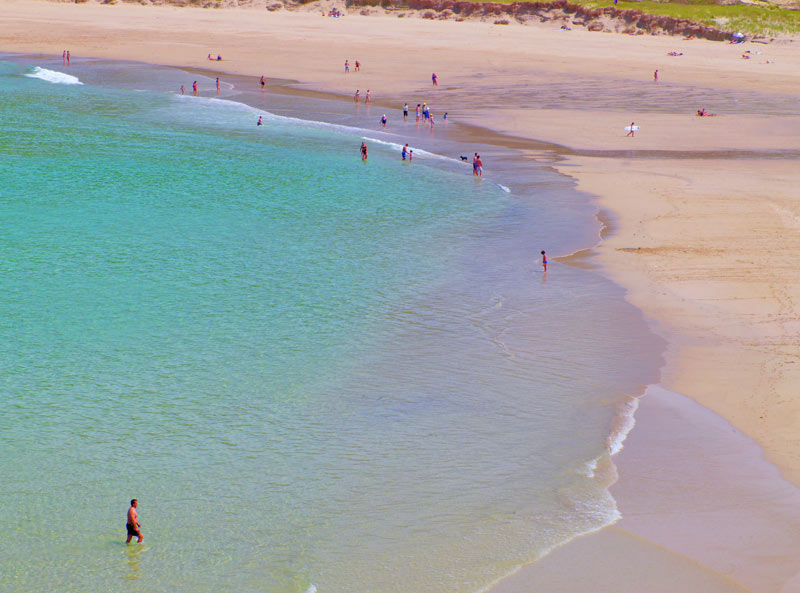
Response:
column 706, row 245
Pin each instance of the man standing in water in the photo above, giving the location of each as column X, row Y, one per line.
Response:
column 132, row 524
column 364, row 151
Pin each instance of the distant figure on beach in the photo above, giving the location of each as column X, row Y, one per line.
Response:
column 357, row 96
column 405, row 112
column 263, row 83
column 475, row 164
column 544, row 260
column 383, row 121
column 366, row 98
column 655, row 76
column 68, row 57
column 631, row 130
column 183, row 90
column 209, row 57
column 218, row 85
column 410, row 155
column 430, row 117
column 64, row 56
column 418, row 109
column 435, row 79
column 404, row 153
column 445, row 117
column 346, row 67
column 357, row 66
column 364, row 152
column 132, row 523
column 219, row 58
column 194, row 88
column 260, row 121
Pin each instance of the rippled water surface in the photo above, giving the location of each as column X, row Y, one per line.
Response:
column 310, row 371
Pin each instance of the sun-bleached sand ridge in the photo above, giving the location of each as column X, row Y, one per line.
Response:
column 705, row 239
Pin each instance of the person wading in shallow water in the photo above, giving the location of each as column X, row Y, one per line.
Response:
column 132, row 523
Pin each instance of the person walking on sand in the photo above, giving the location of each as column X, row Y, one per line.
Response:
column 544, row 260
column 347, row 67
column 435, row 79
column 631, row 130
column 357, row 66
column 132, row 523
column 405, row 112
column 383, row 121
column 194, row 88
column 655, row 76
column 364, row 152
column 357, row 96
column 366, row 98
column 263, row 83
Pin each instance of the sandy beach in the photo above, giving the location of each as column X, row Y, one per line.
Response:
column 705, row 223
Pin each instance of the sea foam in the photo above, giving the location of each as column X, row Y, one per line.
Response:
column 53, row 76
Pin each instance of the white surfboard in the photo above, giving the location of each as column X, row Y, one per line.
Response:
column 631, row 128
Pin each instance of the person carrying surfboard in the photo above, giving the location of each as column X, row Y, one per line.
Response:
column 631, row 130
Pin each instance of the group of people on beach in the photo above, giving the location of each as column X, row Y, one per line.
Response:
column 65, row 57
column 356, row 66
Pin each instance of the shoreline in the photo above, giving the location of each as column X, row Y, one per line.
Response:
column 639, row 227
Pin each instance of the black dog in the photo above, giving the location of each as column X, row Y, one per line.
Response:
column 463, row 158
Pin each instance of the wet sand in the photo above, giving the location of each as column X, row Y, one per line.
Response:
column 705, row 214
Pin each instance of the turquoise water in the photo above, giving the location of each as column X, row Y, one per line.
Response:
column 312, row 372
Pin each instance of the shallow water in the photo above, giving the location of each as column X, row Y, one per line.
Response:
column 310, row 371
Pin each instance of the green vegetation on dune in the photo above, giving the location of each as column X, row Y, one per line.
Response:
column 762, row 18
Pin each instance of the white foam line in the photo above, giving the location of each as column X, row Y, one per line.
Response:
column 53, row 76
column 626, row 423
column 350, row 130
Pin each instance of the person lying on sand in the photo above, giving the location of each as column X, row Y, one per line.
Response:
column 703, row 113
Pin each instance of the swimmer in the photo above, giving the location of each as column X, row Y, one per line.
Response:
column 364, row 152
column 260, row 121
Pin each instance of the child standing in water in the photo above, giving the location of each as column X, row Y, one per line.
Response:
column 544, row 260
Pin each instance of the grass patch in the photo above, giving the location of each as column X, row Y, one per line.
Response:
column 762, row 19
